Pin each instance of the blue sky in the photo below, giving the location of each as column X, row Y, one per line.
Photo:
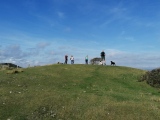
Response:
column 40, row 32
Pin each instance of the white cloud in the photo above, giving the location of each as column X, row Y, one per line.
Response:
column 136, row 60
column 113, row 52
column 129, row 39
column 67, row 29
column 118, row 11
column 42, row 45
column 60, row 14
column 15, row 54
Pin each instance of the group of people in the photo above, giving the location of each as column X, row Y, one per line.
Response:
column 71, row 58
column 102, row 54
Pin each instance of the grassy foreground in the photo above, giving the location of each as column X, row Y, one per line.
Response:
column 77, row 92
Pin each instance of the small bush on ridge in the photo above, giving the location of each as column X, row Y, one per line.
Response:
column 152, row 78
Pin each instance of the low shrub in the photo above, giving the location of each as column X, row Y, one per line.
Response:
column 14, row 71
column 152, row 78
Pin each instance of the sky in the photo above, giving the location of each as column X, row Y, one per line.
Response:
column 42, row 32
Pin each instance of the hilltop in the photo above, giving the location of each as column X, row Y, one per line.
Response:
column 77, row 92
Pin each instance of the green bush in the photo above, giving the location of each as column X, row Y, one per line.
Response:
column 152, row 78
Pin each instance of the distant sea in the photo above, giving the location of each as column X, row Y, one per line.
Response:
column 149, row 69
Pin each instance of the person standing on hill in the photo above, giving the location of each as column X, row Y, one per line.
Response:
column 86, row 59
column 103, row 57
column 66, row 59
column 72, row 59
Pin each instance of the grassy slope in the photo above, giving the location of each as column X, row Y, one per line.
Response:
column 77, row 92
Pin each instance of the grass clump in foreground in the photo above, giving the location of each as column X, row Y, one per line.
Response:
column 77, row 92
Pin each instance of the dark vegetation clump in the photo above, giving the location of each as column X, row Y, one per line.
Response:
column 95, row 61
column 152, row 78
column 9, row 65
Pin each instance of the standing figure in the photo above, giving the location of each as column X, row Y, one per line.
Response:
column 86, row 59
column 103, row 57
column 66, row 59
column 72, row 59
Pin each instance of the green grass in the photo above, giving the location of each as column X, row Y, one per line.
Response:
column 77, row 92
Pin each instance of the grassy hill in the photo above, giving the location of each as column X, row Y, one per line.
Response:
column 77, row 92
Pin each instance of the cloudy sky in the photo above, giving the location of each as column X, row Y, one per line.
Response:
column 40, row 32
